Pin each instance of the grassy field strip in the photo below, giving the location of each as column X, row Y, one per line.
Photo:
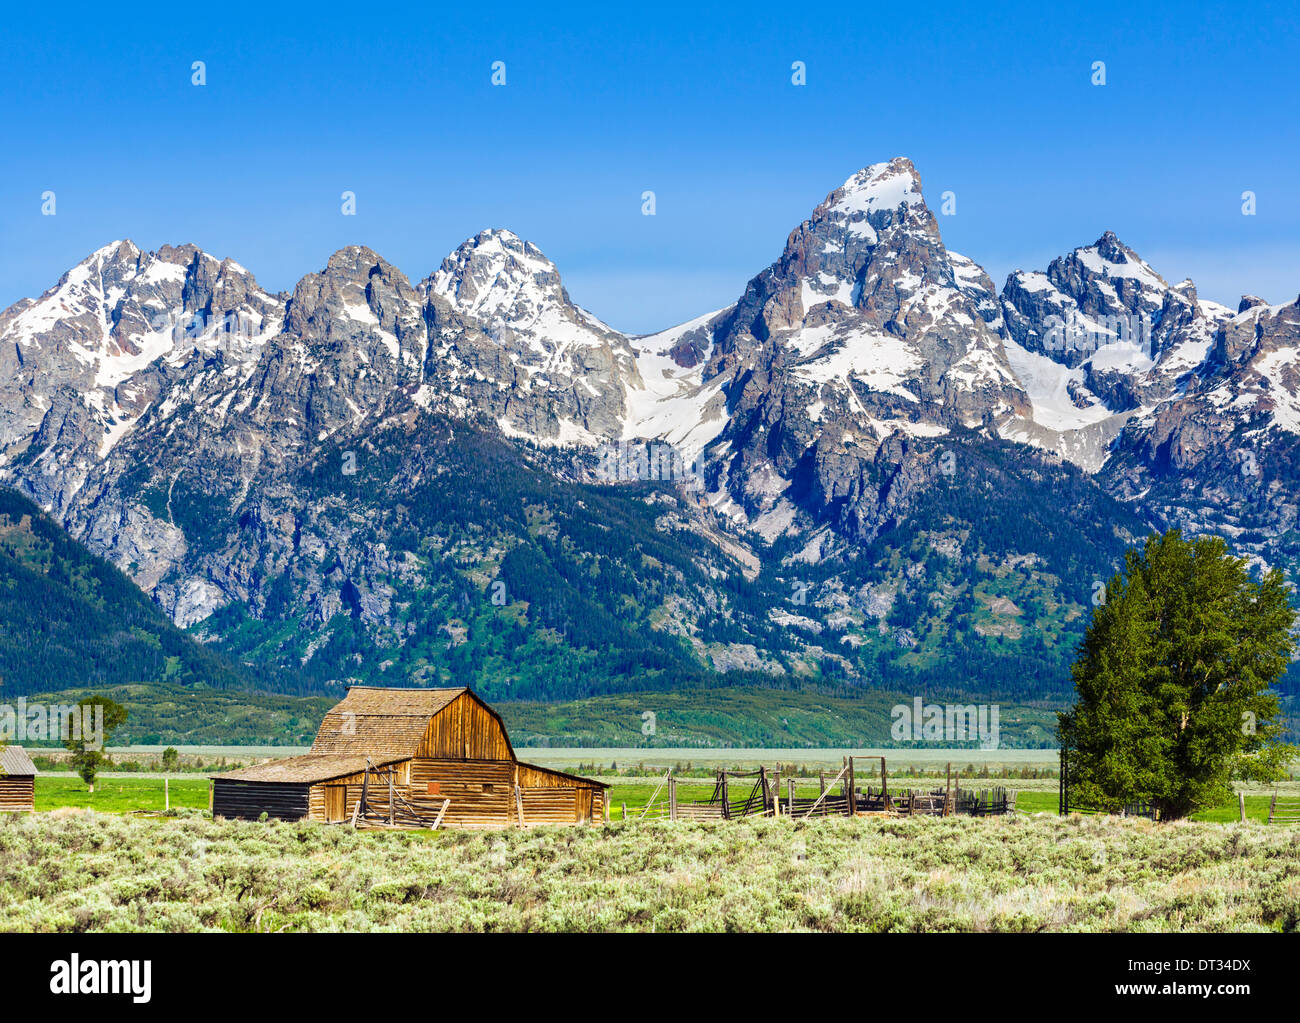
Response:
column 79, row 872
column 711, row 755
column 119, row 795
column 123, row 793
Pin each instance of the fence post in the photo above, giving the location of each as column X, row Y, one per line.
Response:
column 821, row 780
column 167, row 795
column 1241, row 804
column 1063, row 797
column 790, row 803
column 853, row 792
column 672, row 798
column 726, row 805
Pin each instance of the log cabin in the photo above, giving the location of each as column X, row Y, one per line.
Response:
column 420, row 745
column 17, row 780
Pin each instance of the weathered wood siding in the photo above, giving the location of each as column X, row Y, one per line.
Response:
column 482, row 792
column 587, row 797
column 249, row 800
column 17, row 792
column 533, row 777
column 557, row 805
column 465, row 730
column 318, row 811
column 550, row 806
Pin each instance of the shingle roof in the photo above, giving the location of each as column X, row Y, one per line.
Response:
column 308, row 768
column 381, row 722
column 15, row 761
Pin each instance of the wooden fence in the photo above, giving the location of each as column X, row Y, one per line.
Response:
column 1284, row 809
column 759, row 793
column 382, row 804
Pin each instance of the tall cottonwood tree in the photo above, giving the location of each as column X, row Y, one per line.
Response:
column 1175, row 680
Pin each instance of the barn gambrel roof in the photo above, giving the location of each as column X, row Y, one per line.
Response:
column 376, row 722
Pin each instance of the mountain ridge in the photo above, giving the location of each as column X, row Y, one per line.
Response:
column 869, row 397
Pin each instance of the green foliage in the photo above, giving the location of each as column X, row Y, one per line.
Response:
column 740, row 717
column 88, row 749
column 1175, row 680
column 70, row 618
column 194, row 716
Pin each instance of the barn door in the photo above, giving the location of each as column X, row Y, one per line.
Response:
column 335, row 802
column 584, row 806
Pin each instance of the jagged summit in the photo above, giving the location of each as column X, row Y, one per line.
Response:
column 864, row 337
column 497, row 276
column 882, row 186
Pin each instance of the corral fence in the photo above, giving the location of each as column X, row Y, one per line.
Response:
column 383, row 805
column 1069, row 803
column 1284, row 809
column 760, row 793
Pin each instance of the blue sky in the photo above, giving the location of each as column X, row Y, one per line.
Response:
column 694, row 103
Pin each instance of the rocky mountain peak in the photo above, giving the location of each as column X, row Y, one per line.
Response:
column 500, row 279
column 878, row 188
column 877, row 216
column 357, row 296
column 822, row 399
column 866, row 289
column 1114, row 251
column 501, row 324
column 1096, row 296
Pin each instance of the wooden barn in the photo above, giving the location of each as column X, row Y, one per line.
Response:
column 17, row 779
column 443, row 751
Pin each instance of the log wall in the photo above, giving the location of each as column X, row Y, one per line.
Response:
column 482, row 792
column 352, row 783
column 248, row 800
column 17, row 792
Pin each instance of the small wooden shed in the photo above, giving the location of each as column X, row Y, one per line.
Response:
column 17, row 780
column 421, row 745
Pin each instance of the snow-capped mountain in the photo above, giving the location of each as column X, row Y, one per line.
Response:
column 111, row 340
column 177, row 418
column 504, row 327
column 1097, row 338
column 866, row 326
